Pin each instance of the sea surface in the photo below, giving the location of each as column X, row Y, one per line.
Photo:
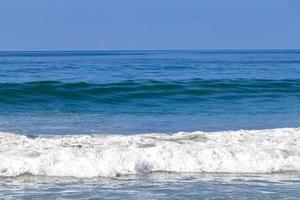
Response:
column 150, row 125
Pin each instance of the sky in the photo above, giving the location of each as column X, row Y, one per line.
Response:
column 149, row 24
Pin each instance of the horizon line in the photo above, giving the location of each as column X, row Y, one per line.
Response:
column 132, row 50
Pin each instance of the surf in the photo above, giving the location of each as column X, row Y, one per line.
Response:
column 87, row 156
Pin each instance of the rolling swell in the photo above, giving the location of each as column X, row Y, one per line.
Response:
column 142, row 91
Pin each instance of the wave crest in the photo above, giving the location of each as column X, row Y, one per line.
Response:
column 198, row 90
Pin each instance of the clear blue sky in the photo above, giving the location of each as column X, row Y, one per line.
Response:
column 149, row 24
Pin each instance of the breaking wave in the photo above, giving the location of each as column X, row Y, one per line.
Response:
column 243, row 151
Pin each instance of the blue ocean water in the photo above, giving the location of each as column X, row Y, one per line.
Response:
column 148, row 91
column 103, row 124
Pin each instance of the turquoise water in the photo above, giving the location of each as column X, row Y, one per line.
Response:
column 90, row 108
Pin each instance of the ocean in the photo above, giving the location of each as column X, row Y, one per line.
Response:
column 150, row 124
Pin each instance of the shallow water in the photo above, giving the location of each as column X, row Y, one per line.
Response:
column 155, row 186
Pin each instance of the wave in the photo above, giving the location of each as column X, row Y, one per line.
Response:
column 243, row 151
column 126, row 91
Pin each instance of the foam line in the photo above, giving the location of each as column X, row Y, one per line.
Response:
column 243, row 151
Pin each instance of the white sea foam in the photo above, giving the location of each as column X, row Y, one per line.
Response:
column 257, row 151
